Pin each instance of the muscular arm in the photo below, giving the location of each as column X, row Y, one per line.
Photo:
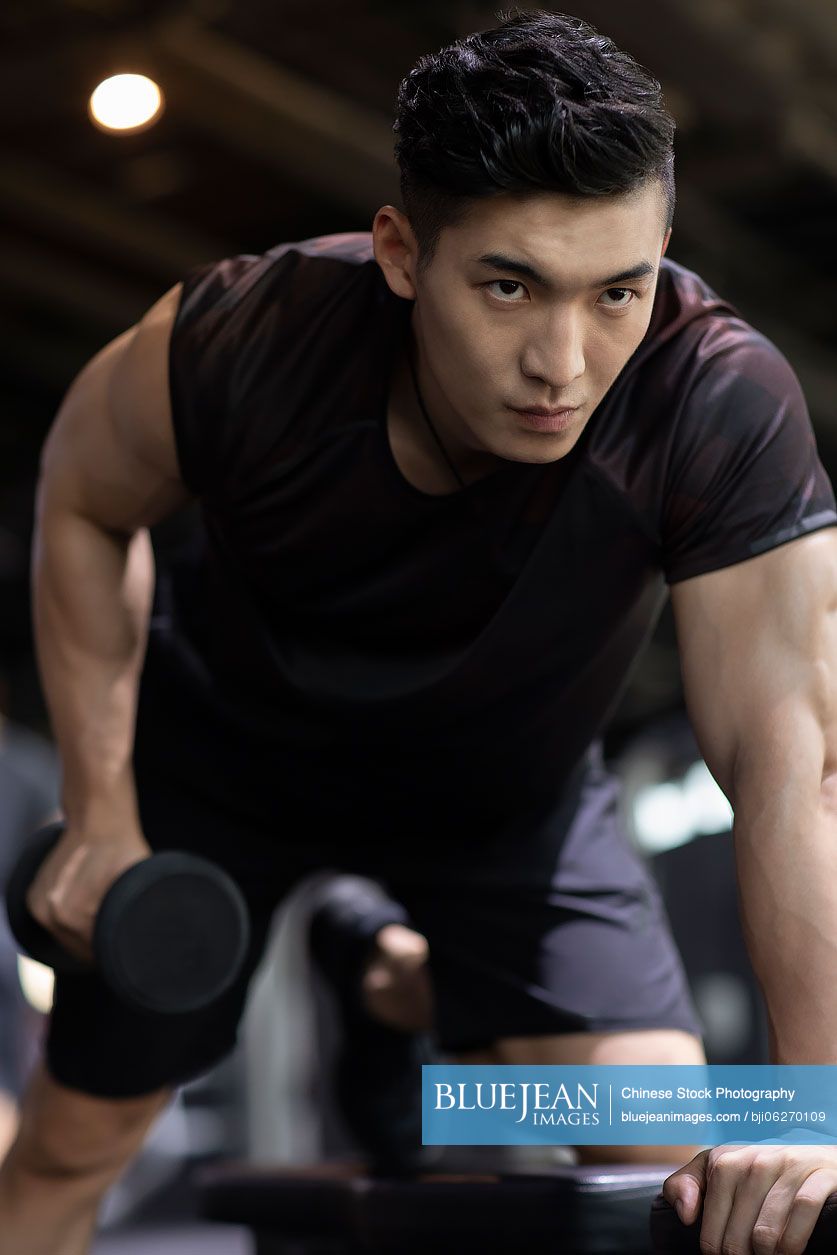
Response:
column 758, row 647
column 108, row 472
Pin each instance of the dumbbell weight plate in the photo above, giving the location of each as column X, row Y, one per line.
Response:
column 172, row 933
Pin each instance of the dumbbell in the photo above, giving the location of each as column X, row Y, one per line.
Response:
column 170, row 935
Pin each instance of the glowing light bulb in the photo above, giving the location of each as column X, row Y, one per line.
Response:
column 126, row 102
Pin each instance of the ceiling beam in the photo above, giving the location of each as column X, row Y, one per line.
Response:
column 82, row 292
column 305, row 130
column 83, row 215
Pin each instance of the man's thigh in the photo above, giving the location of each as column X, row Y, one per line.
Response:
column 640, row 1046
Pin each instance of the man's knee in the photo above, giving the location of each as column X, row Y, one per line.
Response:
column 66, row 1133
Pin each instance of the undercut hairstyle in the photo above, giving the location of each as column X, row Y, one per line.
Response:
column 541, row 102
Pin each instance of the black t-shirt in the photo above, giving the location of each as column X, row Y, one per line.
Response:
column 449, row 654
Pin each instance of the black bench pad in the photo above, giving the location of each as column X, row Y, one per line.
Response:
column 560, row 1210
column 568, row 1209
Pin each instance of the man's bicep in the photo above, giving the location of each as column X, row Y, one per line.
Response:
column 111, row 453
column 758, row 656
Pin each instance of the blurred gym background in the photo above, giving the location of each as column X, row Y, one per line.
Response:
column 273, row 122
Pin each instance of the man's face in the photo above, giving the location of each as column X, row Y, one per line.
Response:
column 494, row 339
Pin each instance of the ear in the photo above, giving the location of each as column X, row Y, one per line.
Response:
column 396, row 250
column 665, row 242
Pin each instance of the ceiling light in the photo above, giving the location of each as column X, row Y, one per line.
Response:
column 125, row 102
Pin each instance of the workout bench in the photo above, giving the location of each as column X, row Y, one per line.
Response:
column 336, row 1209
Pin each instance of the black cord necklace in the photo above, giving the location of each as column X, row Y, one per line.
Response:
column 423, row 408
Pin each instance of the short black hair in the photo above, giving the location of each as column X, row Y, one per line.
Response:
column 541, row 102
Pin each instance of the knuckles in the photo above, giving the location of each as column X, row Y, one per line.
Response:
column 765, row 1241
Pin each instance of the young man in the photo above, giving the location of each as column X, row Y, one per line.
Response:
column 446, row 473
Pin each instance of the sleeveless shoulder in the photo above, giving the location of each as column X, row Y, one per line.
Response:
column 244, row 315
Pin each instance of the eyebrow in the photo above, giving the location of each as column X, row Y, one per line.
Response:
column 498, row 261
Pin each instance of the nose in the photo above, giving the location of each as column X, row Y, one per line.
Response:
column 557, row 356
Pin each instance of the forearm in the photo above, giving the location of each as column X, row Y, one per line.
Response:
column 785, row 836
column 92, row 592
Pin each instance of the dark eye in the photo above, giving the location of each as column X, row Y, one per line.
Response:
column 505, row 284
column 620, row 293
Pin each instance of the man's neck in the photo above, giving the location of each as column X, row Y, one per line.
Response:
column 416, row 433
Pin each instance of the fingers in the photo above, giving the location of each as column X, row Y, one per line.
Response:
column 398, row 943
column 400, row 996
column 788, row 1217
column 736, row 1190
column 54, row 901
column 759, row 1202
column 684, row 1188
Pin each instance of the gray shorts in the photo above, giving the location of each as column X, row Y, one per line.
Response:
column 555, row 926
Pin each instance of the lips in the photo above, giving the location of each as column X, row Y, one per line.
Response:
column 541, row 412
column 546, row 421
